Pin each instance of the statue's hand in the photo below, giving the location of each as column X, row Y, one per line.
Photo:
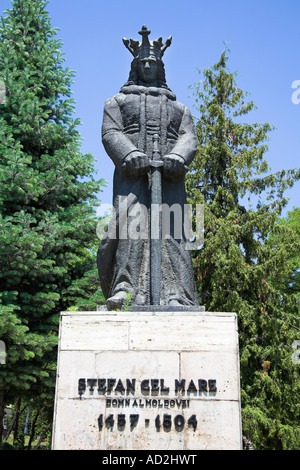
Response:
column 174, row 167
column 136, row 164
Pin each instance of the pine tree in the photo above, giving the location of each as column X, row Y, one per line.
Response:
column 47, row 198
column 239, row 269
column 290, row 284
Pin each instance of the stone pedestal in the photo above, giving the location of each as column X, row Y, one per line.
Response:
column 147, row 381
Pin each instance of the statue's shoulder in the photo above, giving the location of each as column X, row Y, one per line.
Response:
column 179, row 109
column 113, row 100
column 183, row 109
column 180, row 106
column 121, row 97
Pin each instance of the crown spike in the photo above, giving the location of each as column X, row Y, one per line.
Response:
column 146, row 47
column 166, row 45
column 126, row 44
column 144, row 31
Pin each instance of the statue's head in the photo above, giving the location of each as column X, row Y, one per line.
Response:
column 147, row 67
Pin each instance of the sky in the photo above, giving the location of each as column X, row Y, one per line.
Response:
column 262, row 35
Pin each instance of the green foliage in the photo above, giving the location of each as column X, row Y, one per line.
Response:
column 28, row 426
column 249, row 255
column 85, row 293
column 22, row 346
column 47, row 199
column 288, row 227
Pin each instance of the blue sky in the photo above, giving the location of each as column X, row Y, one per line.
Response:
column 263, row 36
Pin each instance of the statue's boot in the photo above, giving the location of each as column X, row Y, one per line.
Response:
column 175, row 303
column 116, row 301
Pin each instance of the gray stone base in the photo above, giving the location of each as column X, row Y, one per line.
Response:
column 147, row 381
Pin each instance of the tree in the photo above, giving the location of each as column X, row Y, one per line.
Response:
column 47, row 197
column 85, row 293
column 290, row 284
column 239, row 269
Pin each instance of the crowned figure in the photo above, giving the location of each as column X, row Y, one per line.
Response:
column 145, row 107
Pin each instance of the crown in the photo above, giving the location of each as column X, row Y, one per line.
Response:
column 147, row 48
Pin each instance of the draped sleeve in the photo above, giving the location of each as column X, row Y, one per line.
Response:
column 186, row 145
column 116, row 143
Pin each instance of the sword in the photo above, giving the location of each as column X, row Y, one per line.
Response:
column 155, row 223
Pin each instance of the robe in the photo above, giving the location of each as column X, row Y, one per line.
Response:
column 130, row 120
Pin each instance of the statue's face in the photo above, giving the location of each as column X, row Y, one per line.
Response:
column 147, row 69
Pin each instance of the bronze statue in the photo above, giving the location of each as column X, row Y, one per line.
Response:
column 142, row 124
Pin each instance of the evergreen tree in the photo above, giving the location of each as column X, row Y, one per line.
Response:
column 289, row 284
column 47, row 198
column 239, row 269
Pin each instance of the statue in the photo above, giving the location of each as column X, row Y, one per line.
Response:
column 150, row 138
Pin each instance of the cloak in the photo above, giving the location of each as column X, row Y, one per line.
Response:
column 130, row 120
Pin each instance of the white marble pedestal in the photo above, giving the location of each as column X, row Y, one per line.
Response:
column 147, row 381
